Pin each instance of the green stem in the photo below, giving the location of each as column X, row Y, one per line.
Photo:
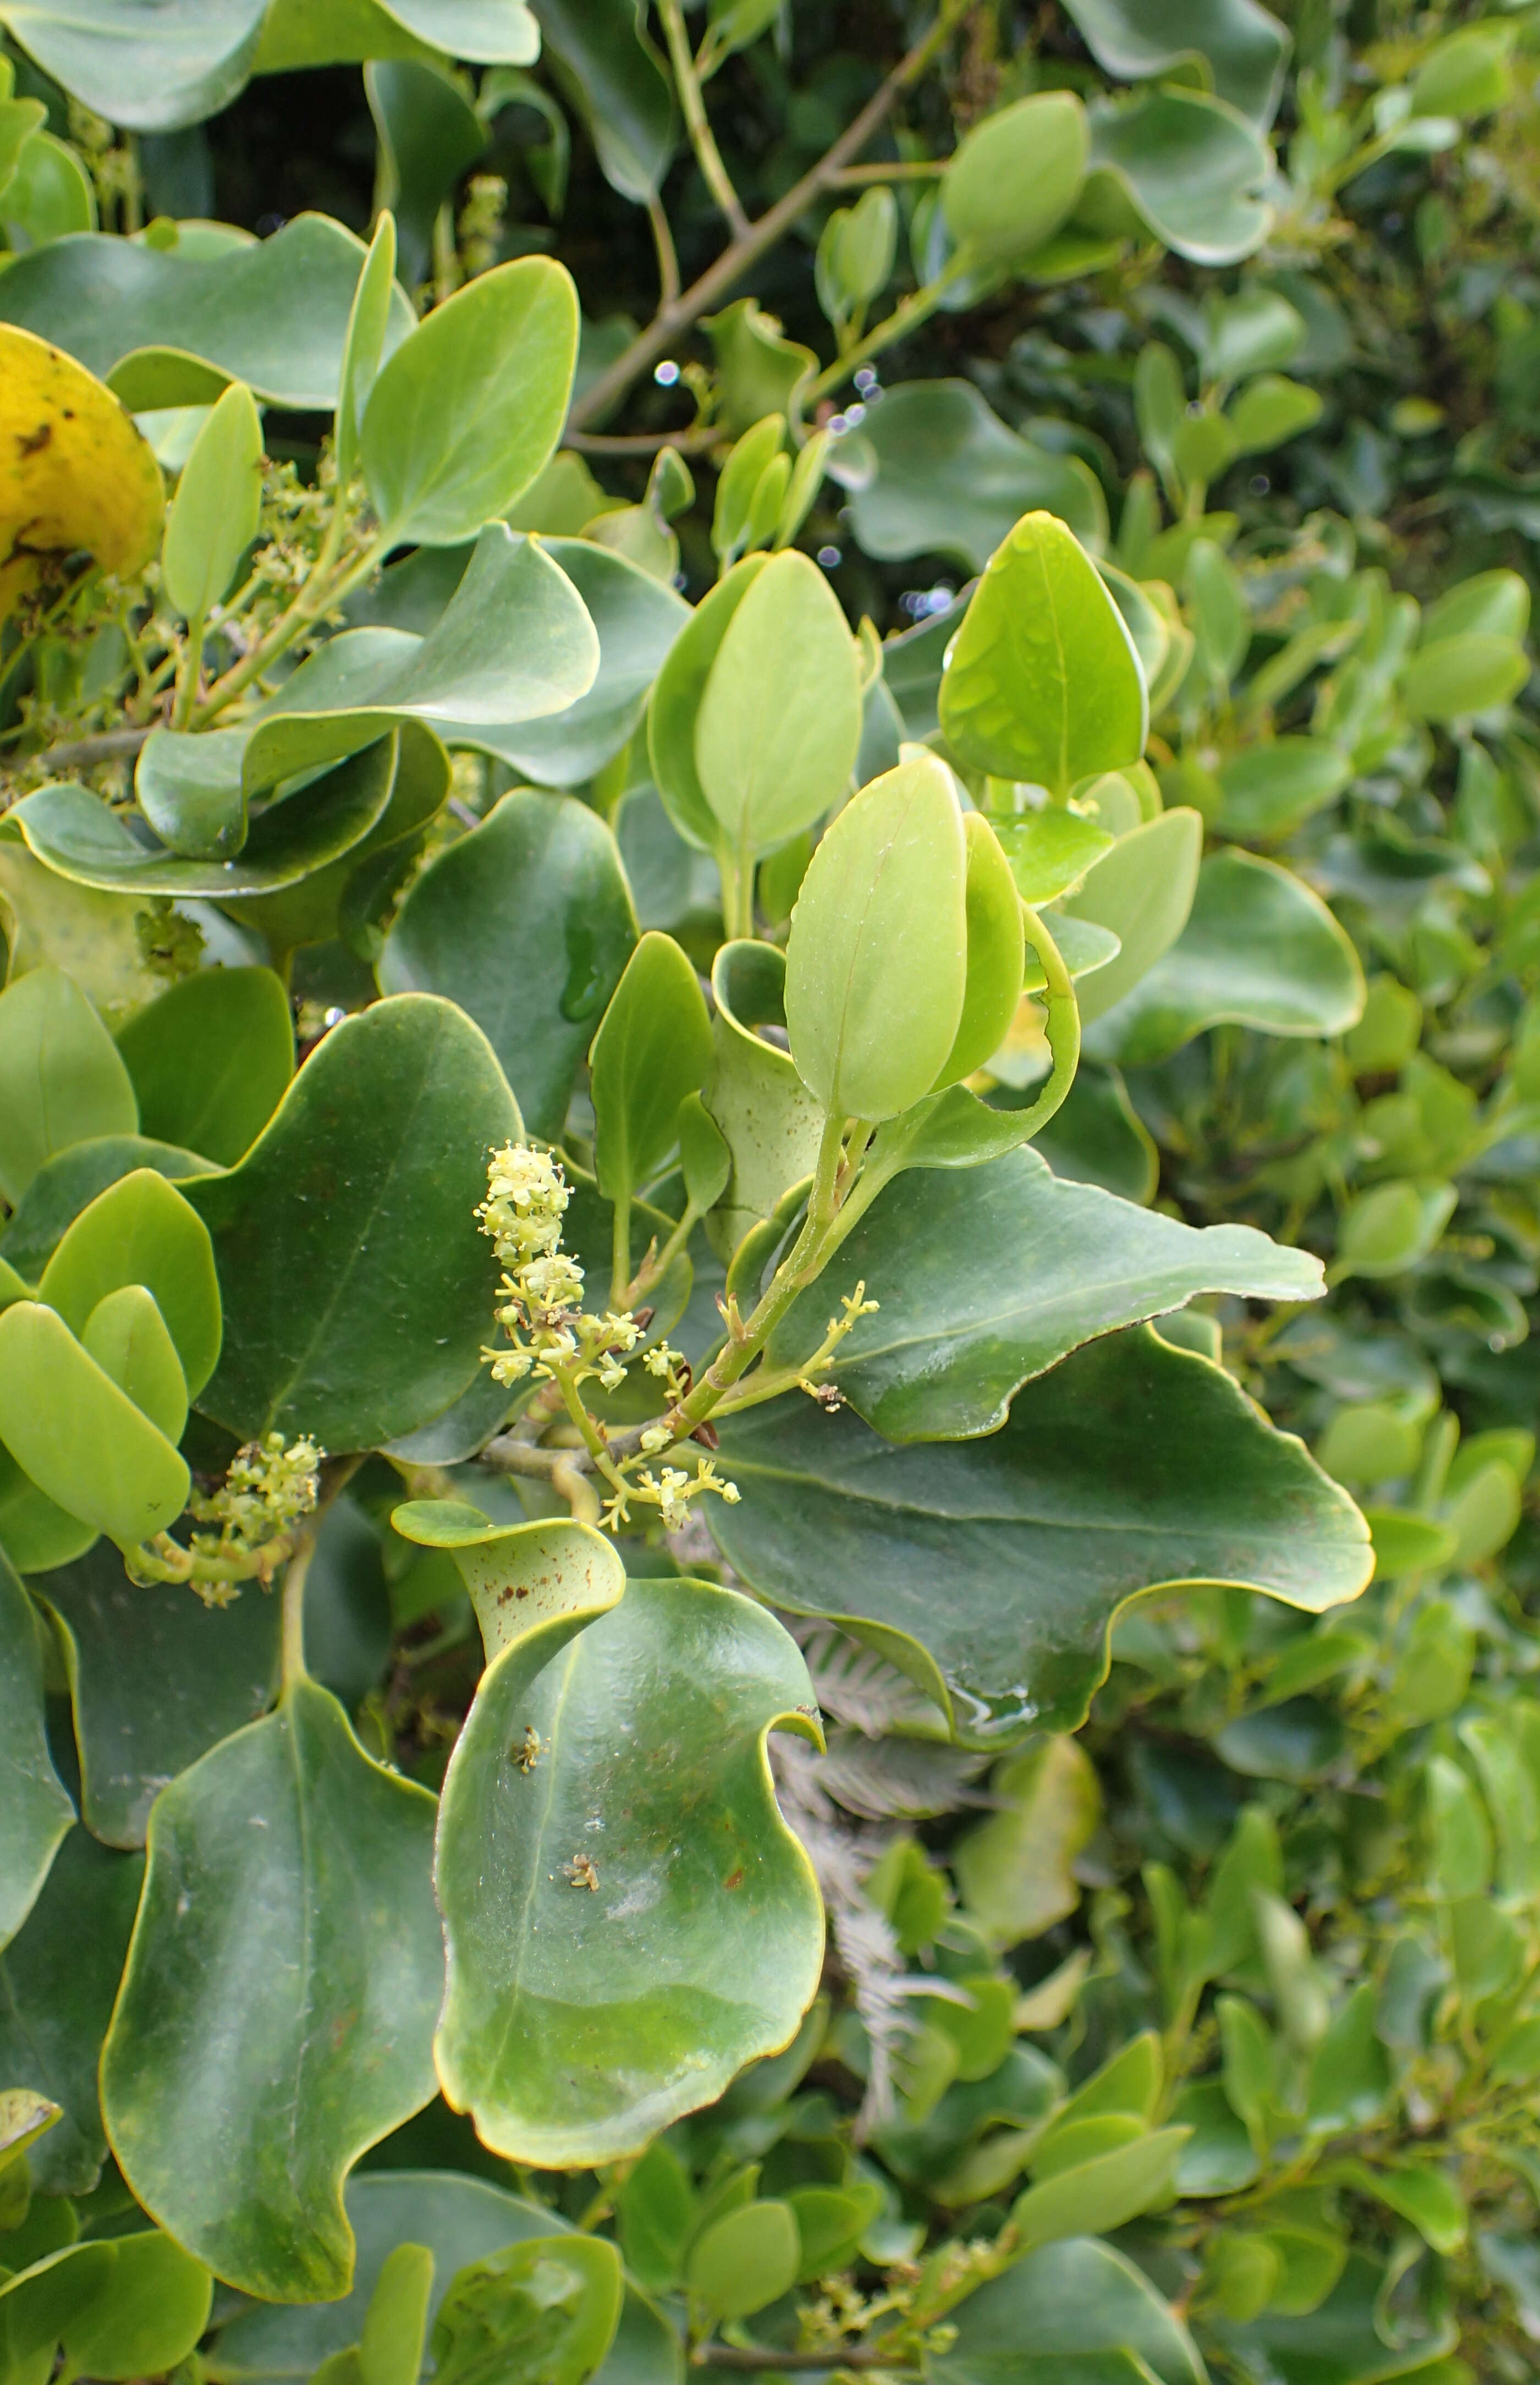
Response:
column 702, row 138
column 318, row 595
column 1063, row 1026
column 187, row 675
column 291, row 1666
column 907, row 317
column 619, row 1272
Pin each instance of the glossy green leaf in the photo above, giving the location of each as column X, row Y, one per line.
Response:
column 654, row 1046
column 1190, row 166
column 75, row 834
column 1015, row 176
column 37, row 1809
column 996, row 952
column 876, row 961
column 1043, row 683
column 128, row 1338
column 1260, row 948
column 189, row 64
column 514, row 642
column 57, row 1979
column 214, row 514
column 428, row 136
column 770, row 1120
column 1051, row 1265
column 141, row 1230
column 1144, row 892
column 356, row 1285
column 590, row 1999
column 459, row 2219
column 1050, row 851
column 1102, row 2192
column 1075, row 2297
column 469, row 410
column 540, row 877
column 273, row 314
column 145, row 2315
column 61, row 1080
column 745, row 2259
column 1106, row 1480
column 155, row 1677
column 1098, row 1138
column 1340, row 2342
column 1270, row 790
column 189, row 788
column 82, row 1440
column 952, row 479
column 636, row 621
column 518, row 1575
column 329, row 32
column 605, row 60
column 210, row 1060
column 49, row 195
column 780, row 720
column 287, row 1860
column 543, row 2312
column 676, row 701
column 70, row 1182
column 1237, row 45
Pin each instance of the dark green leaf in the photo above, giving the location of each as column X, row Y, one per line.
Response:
column 357, row 1289
column 1191, row 167
column 624, row 92
column 210, row 1060
column 1108, row 1479
column 543, row 2312
column 37, row 1809
column 273, row 314
column 280, row 1994
column 428, row 136
column 1075, row 2297
column 952, row 478
column 157, row 1678
column 527, row 924
column 58, row 1980
column 1241, row 46
column 1050, row 1264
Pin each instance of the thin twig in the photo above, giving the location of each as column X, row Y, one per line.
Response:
column 719, row 181
column 82, row 752
column 744, row 252
column 668, row 255
column 692, row 441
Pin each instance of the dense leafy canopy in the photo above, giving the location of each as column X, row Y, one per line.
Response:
column 769, row 1127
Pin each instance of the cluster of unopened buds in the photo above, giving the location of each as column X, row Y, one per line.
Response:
column 249, row 1521
column 551, row 1337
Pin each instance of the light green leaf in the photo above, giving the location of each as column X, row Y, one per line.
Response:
column 676, row 702
column 48, row 197
column 1388, row 1228
column 155, row 1679
column 1042, row 682
column 189, row 788
column 339, row 32
column 468, row 411
column 591, row 1999
column 214, row 515
column 518, row 1575
column 1108, row 1479
column 76, row 833
column 1050, row 851
column 38, row 1810
column 1097, row 2195
column 1015, row 176
column 539, row 878
column 357, row 1289
column 1471, row 671
column 1052, row 1264
column 82, row 1440
column 142, row 1232
column 654, row 1046
column 876, row 960
column 745, row 2259
column 1190, row 166
column 1064, row 2299
column 127, row 1336
column 771, row 1121
column 58, row 1976
column 369, row 326
column 996, row 953
column 288, row 1861
column 1143, row 891
column 543, row 2312
column 1238, row 46
column 1270, row 410
column 210, row 1060
column 145, row 2316
column 1260, row 948
column 952, row 479
column 780, row 720
column 61, row 1080
column 273, row 314
column 1015, row 1870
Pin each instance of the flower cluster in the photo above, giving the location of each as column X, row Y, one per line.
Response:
column 541, row 1309
column 266, row 1491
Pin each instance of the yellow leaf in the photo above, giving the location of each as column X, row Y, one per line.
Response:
column 74, row 472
